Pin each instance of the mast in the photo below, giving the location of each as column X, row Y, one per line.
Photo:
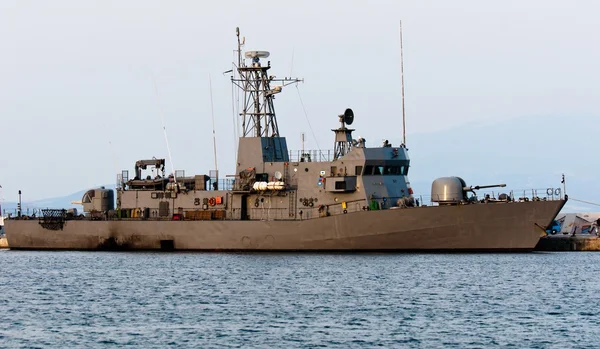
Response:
column 402, row 77
column 258, row 112
column 343, row 135
column 162, row 119
column 212, row 112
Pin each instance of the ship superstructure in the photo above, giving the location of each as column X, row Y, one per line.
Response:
column 268, row 185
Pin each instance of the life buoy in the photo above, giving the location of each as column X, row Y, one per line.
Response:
column 549, row 191
column 212, row 201
column 557, row 192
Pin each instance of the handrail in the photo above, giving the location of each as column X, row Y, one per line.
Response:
column 515, row 195
column 267, row 213
column 311, row 155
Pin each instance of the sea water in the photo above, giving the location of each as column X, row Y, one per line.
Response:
column 265, row 300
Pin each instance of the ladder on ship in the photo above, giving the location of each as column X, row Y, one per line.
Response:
column 292, row 207
column 291, row 193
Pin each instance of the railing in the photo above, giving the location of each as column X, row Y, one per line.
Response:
column 223, row 184
column 260, row 213
column 311, row 155
column 266, row 213
column 517, row 195
column 26, row 211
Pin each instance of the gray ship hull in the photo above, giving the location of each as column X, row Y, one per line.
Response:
column 479, row 227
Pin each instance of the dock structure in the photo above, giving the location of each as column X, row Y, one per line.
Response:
column 569, row 243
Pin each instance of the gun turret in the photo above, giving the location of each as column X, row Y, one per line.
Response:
column 454, row 190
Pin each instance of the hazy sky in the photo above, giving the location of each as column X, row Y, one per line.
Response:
column 77, row 100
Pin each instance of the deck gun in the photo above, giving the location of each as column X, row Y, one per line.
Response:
column 502, row 197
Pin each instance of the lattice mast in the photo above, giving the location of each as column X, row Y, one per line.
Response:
column 258, row 112
column 343, row 135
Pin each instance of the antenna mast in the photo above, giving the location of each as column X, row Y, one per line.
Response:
column 258, row 113
column 212, row 111
column 402, row 77
column 343, row 135
column 162, row 117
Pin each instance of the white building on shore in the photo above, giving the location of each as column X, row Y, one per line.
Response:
column 579, row 223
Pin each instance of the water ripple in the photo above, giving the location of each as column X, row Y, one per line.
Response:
column 60, row 299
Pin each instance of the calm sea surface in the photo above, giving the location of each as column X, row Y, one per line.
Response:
column 94, row 299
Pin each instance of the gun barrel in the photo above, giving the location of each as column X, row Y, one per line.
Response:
column 477, row 187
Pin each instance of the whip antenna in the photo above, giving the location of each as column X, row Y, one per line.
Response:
column 402, row 78
column 212, row 111
column 162, row 118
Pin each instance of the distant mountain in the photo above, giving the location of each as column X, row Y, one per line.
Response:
column 523, row 153
column 58, row 202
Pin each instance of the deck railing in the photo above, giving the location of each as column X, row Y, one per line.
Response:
column 267, row 213
column 311, row 155
column 515, row 195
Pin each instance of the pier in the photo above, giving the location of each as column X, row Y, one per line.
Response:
column 3, row 242
column 569, row 243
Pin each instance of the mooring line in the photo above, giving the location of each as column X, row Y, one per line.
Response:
column 585, row 202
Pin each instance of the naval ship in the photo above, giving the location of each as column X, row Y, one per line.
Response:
column 354, row 198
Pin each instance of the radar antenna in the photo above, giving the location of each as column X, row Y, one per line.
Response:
column 343, row 135
column 258, row 112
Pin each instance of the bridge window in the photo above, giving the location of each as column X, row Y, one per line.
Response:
column 385, row 170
